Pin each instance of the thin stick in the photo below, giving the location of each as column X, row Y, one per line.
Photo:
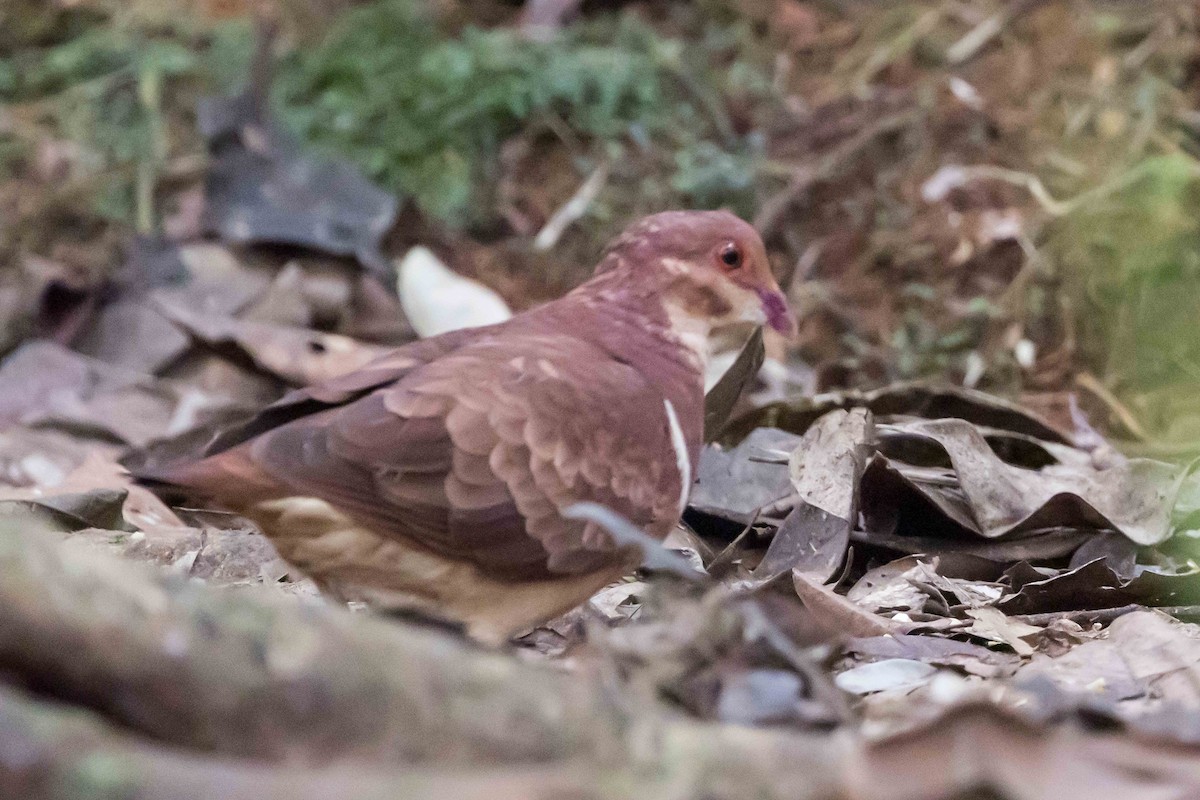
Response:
column 572, row 210
column 978, row 37
column 773, row 208
column 1105, row 616
column 1088, row 381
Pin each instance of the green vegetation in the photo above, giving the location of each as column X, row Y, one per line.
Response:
column 104, row 88
column 425, row 114
column 1135, row 258
column 422, row 113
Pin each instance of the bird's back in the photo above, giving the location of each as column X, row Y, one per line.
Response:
column 472, row 447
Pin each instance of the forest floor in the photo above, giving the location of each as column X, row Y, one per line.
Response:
column 942, row 546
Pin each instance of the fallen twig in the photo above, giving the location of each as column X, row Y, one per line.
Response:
column 1104, row 616
column 888, row 52
column 772, row 210
column 1089, row 382
column 626, row 534
column 978, row 37
column 572, row 210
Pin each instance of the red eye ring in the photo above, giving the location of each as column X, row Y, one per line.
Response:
column 731, row 256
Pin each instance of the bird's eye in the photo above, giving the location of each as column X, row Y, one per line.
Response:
column 731, row 256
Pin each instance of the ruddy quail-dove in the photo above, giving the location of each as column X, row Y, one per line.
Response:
column 436, row 476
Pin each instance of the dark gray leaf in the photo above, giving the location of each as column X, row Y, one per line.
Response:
column 810, row 540
column 1045, row 545
column 1118, row 552
column 1096, row 585
column 721, row 398
column 825, row 469
column 261, row 188
column 733, row 484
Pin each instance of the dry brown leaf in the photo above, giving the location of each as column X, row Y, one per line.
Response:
column 1147, row 662
column 886, row 675
column 992, row 624
column 973, row 747
column 142, row 509
column 43, row 384
column 837, row 615
column 1130, row 496
column 297, row 355
column 910, row 399
column 888, row 587
column 131, row 334
column 824, row 468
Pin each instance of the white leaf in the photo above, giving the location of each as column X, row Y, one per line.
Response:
column 879, row 676
column 436, row 299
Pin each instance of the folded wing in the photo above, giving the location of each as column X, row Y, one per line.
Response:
column 475, row 453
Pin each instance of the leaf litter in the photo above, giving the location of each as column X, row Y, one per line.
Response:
column 810, row 621
column 1057, row 529
column 912, row 564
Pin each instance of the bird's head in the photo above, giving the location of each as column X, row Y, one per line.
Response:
column 709, row 265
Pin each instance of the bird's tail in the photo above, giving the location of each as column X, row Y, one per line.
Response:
column 230, row 478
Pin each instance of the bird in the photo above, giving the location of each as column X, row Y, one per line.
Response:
column 436, row 477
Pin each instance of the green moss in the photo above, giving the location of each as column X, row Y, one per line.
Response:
column 422, row 111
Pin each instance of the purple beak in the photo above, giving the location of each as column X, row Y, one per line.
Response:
column 779, row 316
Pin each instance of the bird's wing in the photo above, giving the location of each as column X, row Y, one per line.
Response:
column 340, row 390
column 474, row 455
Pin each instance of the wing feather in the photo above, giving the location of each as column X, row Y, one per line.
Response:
column 475, row 451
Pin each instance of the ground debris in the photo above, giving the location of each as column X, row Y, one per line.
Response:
column 885, row 586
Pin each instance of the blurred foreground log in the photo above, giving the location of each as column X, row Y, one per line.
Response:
column 50, row 751
column 121, row 681
column 193, row 690
column 256, row 676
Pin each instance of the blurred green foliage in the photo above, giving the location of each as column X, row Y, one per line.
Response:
column 1134, row 259
column 421, row 112
column 425, row 114
column 91, row 88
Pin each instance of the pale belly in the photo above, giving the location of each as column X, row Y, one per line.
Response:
column 351, row 562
